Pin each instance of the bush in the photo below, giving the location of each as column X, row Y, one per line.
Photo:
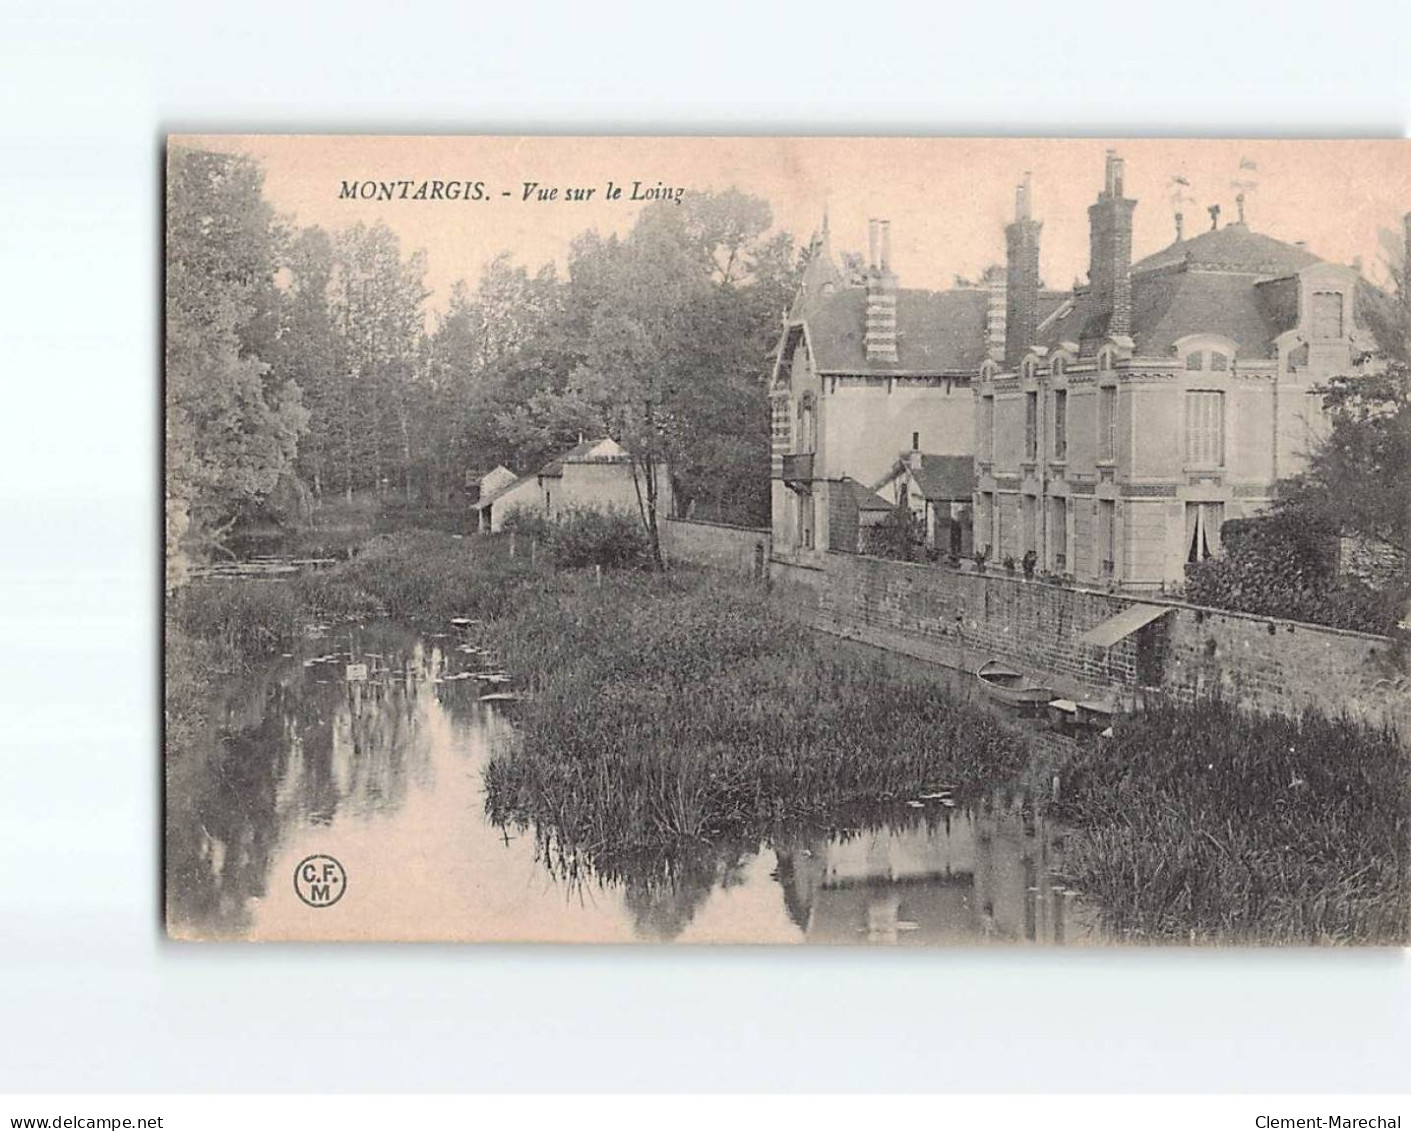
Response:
column 1285, row 565
column 583, row 536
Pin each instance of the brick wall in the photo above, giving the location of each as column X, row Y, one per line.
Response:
column 963, row 619
column 738, row 549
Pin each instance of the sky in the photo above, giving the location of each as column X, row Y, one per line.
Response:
column 948, row 198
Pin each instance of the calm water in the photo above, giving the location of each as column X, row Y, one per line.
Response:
column 386, row 776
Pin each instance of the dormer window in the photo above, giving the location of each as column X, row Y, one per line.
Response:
column 1027, row 369
column 988, row 371
column 1058, row 366
column 1219, row 362
column 1195, row 361
column 1104, row 360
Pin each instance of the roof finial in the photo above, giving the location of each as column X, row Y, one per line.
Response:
column 1214, row 211
column 1180, row 226
column 1239, row 204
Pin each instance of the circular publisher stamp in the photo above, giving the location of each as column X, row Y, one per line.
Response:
column 320, row 880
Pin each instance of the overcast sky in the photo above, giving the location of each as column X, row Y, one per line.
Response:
column 948, row 199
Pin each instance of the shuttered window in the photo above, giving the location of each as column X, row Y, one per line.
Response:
column 1205, row 429
column 1031, row 425
column 1060, row 424
column 1107, row 423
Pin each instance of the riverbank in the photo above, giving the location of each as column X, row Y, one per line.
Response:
column 667, row 710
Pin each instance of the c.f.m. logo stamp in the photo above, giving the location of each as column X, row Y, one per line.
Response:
column 320, row 881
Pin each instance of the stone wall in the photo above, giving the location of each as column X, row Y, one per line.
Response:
column 738, row 549
column 963, row 619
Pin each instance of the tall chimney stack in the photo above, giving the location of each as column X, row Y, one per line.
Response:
column 1021, row 291
column 880, row 331
column 1110, row 272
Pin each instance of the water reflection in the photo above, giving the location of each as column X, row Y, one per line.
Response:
column 386, row 775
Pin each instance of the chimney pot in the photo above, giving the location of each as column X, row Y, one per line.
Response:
column 872, row 245
column 1180, row 227
column 886, row 262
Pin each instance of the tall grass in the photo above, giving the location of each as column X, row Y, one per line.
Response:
column 667, row 710
column 1206, row 823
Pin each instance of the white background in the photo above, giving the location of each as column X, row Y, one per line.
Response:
column 91, row 997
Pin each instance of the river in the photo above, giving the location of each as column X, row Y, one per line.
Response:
column 384, row 774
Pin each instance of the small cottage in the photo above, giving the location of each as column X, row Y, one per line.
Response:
column 594, row 475
column 937, row 490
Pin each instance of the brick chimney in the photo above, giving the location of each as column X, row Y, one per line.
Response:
column 1110, row 272
column 1021, row 305
column 880, row 337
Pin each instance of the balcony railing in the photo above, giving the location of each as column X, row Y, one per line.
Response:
column 798, row 469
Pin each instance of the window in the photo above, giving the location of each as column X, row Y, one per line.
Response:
column 1195, row 361
column 1104, row 360
column 1058, row 367
column 984, row 520
column 1058, row 532
column 1219, row 362
column 1203, row 522
column 1327, row 314
column 1029, row 513
column 1060, row 424
column 1107, row 422
column 1205, row 429
column 1027, row 369
column 1031, row 425
column 987, row 427
column 1107, row 536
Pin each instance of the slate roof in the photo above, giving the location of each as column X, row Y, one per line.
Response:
column 1230, row 281
column 1231, row 248
column 938, row 332
column 866, row 500
column 939, row 477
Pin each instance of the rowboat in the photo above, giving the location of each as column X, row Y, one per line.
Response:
column 1012, row 688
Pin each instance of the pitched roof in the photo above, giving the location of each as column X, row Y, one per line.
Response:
column 938, row 332
column 554, row 468
column 866, row 500
column 939, row 477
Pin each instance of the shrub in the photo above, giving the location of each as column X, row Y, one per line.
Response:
column 611, row 539
column 1285, row 565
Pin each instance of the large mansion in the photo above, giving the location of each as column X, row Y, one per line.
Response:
column 1113, row 428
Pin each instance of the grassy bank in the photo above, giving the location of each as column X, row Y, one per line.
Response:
column 1209, row 824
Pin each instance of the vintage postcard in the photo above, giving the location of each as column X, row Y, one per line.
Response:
column 770, row 540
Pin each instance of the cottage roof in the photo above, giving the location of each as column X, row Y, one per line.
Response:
column 938, row 477
column 865, row 499
column 579, row 453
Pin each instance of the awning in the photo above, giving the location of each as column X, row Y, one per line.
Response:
column 1113, row 629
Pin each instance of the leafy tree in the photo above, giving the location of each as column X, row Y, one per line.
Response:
column 233, row 421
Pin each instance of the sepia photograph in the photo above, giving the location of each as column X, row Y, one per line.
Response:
column 855, row 541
